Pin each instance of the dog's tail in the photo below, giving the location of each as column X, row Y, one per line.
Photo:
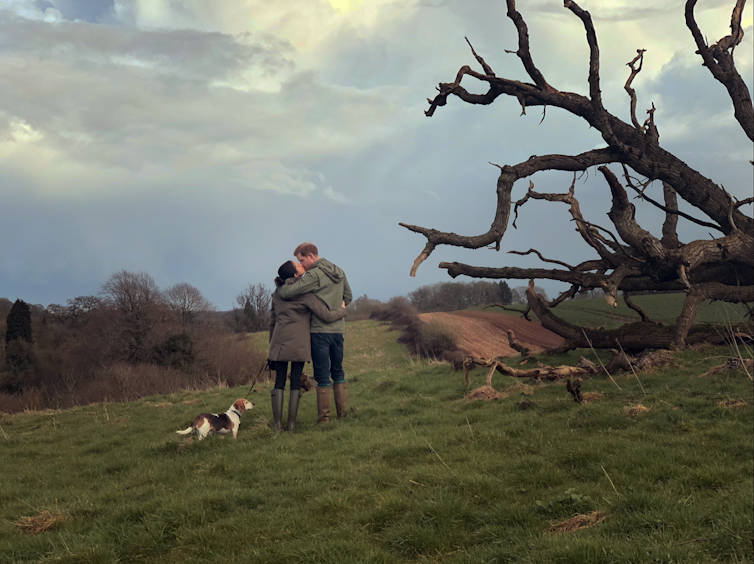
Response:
column 186, row 431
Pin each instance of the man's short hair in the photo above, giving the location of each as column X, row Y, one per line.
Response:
column 306, row 249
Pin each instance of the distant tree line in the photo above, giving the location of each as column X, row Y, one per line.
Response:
column 452, row 296
column 132, row 339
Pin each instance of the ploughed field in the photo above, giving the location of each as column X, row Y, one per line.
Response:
column 484, row 334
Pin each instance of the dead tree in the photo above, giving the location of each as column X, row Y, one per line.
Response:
column 633, row 259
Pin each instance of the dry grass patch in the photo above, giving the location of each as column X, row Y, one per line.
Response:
column 732, row 404
column 636, row 410
column 42, row 522
column 523, row 389
column 578, row 522
column 485, row 393
column 164, row 404
column 190, row 402
column 593, row 396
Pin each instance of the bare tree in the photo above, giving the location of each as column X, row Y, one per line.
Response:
column 633, row 259
column 137, row 298
column 253, row 311
column 186, row 302
column 76, row 310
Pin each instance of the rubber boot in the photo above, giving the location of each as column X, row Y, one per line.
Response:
column 340, row 392
column 293, row 401
column 277, row 408
column 323, row 405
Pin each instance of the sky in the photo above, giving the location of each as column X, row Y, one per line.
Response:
column 201, row 141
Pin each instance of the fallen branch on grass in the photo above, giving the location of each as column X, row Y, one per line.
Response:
column 537, row 373
column 744, row 365
column 646, row 362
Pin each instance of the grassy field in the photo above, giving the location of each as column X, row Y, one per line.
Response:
column 662, row 307
column 416, row 473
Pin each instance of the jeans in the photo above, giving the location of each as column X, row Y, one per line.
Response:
column 327, row 358
column 281, row 373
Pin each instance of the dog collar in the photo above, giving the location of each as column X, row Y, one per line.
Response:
column 234, row 410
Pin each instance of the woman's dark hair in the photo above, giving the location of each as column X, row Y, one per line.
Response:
column 285, row 272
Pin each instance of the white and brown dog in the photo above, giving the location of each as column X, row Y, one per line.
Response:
column 208, row 423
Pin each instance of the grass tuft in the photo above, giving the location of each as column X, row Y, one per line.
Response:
column 635, row 410
column 485, row 393
column 578, row 522
column 732, row 404
column 42, row 522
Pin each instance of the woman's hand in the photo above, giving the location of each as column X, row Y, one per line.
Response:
column 343, row 304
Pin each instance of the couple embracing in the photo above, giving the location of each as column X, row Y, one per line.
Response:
column 312, row 285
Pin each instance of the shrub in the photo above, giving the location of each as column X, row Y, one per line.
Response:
column 176, row 351
column 429, row 340
column 362, row 308
column 19, row 355
column 397, row 310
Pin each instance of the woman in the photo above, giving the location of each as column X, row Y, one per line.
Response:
column 290, row 340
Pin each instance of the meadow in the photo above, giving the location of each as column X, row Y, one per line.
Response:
column 664, row 308
column 415, row 473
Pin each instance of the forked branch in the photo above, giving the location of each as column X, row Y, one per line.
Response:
column 719, row 61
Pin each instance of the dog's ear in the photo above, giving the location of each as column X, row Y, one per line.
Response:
column 240, row 405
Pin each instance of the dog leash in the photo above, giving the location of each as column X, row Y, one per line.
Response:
column 254, row 383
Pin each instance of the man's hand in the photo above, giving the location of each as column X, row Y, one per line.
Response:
column 343, row 304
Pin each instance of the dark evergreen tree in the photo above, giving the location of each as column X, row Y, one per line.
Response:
column 18, row 323
column 19, row 355
column 506, row 295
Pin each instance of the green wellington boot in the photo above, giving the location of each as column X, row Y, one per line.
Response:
column 293, row 402
column 277, row 408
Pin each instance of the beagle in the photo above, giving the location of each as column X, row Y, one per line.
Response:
column 208, row 423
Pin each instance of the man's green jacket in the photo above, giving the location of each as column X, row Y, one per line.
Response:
column 330, row 285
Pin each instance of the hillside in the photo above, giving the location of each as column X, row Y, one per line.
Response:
column 416, row 472
column 484, row 333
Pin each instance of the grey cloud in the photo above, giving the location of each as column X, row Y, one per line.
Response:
column 87, row 10
column 186, row 53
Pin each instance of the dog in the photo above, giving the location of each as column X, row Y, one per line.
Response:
column 208, row 423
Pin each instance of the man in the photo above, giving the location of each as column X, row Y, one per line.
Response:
column 329, row 283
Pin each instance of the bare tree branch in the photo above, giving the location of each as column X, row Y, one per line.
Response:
column 508, row 176
column 720, row 63
column 669, row 227
column 668, row 209
column 523, row 48
column 485, row 66
column 636, row 308
column 543, row 259
column 631, row 92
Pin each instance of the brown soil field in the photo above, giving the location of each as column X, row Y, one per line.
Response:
column 483, row 333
